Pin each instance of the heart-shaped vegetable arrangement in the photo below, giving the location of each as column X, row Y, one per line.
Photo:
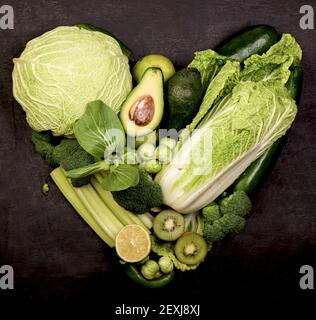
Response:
column 219, row 124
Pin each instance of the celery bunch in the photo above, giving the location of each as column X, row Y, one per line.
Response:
column 96, row 206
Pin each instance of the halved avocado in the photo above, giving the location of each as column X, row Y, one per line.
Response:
column 142, row 111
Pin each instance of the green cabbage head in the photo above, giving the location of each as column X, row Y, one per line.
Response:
column 62, row 70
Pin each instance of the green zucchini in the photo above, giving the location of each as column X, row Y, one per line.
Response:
column 255, row 173
column 254, row 40
column 126, row 51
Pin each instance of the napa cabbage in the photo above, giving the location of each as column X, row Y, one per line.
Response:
column 232, row 129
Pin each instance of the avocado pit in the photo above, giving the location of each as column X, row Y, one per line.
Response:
column 142, row 111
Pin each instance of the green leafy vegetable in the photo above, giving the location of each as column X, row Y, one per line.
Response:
column 247, row 123
column 100, row 131
column 237, row 127
column 101, row 134
column 62, row 70
column 87, row 170
column 220, row 85
column 208, row 63
column 120, row 177
column 273, row 66
column 91, row 27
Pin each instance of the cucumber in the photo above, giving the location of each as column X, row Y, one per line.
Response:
column 254, row 40
column 126, row 51
column 251, row 178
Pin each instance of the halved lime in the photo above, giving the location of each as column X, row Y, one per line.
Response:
column 132, row 243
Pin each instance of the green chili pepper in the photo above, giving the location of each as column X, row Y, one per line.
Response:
column 134, row 274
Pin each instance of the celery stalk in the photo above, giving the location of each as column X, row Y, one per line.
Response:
column 106, row 197
column 147, row 219
column 101, row 213
column 70, row 194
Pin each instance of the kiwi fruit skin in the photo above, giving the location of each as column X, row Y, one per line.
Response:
column 168, row 225
column 196, row 248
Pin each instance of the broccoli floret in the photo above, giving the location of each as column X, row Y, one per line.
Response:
column 141, row 198
column 65, row 149
column 231, row 224
column 213, row 232
column 227, row 218
column 211, row 213
column 228, row 224
column 237, row 203
column 239, row 225
column 70, row 155
column 43, row 146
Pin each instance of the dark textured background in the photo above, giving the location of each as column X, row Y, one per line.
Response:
column 56, row 257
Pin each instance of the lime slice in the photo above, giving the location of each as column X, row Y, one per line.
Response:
column 132, row 243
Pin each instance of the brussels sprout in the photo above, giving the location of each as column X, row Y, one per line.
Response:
column 165, row 264
column 146, row 151
column 150, row 269
column 169, row 142
column 130, row 157
column 163, row 153
column 152, row 166
column 45, row 188
column 150, row 138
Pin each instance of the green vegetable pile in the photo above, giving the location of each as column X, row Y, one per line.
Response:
column 178, row 156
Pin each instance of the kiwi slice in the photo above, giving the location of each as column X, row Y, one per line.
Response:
column 190, row 248
column 168, row 225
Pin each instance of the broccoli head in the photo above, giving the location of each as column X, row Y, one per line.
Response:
column 141, row 198
column 231, row 223
column 43, row 146
column 70, row 155
column 211, row 213
column 213, row 232
column 237, row 203
column 227, row 218
column 228, row 224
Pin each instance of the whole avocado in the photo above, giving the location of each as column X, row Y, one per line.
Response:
column 184, row 95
